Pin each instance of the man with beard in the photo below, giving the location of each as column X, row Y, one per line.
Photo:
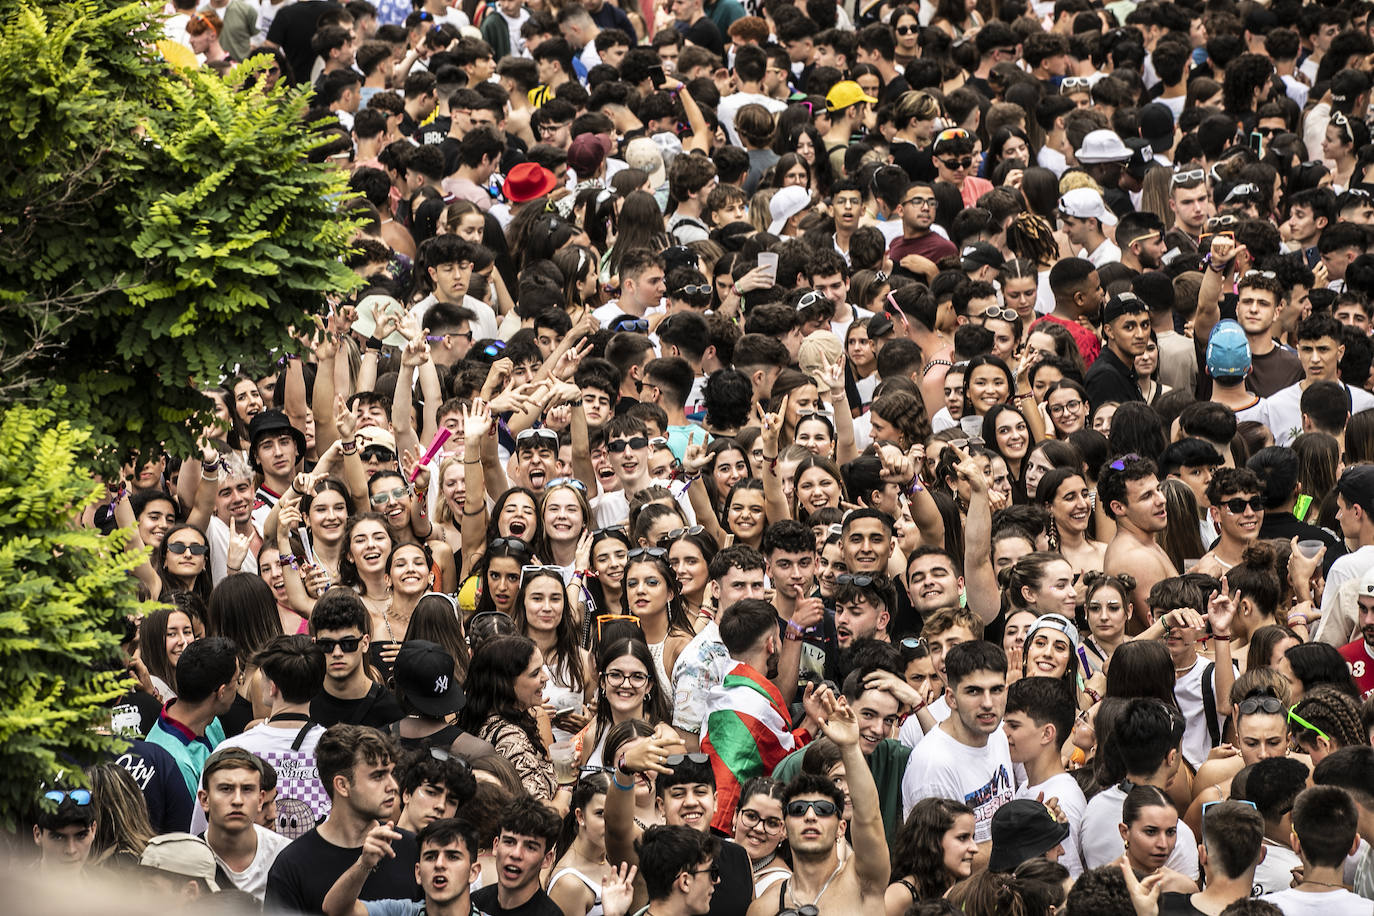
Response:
column 356, row 768
column 917, row 212
column 1140, row 235
column 863, row 607
column 813, row 808
column 448, row 867
column 1129, row 489
column 746, row 730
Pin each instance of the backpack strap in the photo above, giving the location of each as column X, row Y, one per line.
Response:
column 1209, row 704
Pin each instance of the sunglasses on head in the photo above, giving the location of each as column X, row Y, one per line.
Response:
column 1213, row 804
column 951, row 133
column 861, row 581
column 616, row 446
column 693, row 291
column 823, row 807
column 809, row 299
column 955, row 165
column 1188, row 177
column 603, row 619
column 1074, row 83
column 1266, row 704
column 566, row 482
column 196, row 550
column 529, row 572
column 679, row 533
column 393, row 495
column 512, row 543
column 1236, row 505
column 348, row 643
column 526, row 435
column 1120, row 463
column 494, row 348
column 80, row 797
column 631, row 324
column 657, row 553
column 610, row 529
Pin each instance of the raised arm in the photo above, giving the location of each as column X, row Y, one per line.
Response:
column 477, row 425
column 342, row 899
column 980, row 580
column 694, row 463
column 644, row 755
column 841, row 726
column 414, row 355
column 845, row 449
column 1216, row 276
column 771, row 425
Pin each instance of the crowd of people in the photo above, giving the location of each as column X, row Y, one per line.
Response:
column 784, row 459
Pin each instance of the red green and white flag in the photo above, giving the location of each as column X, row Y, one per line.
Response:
column 746, row 735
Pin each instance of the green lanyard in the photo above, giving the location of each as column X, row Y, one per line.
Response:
column 1301, row 507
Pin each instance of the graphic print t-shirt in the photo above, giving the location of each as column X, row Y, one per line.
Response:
column 980, row 777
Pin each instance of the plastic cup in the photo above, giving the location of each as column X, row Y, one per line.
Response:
column 1311, row 548
column 564, row 762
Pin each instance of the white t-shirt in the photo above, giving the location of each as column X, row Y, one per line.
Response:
column 911, row 734
column 1285, row 411
column 300, row 794
column 607, row 313
column 1071, row 801
column 614, row 508
column 980, row 777
column 1099, row 840
column 731, row 104
column 1335, row 902
column 1197, row 740
column 1102, row 255
column 253, row 879
column 485, row 327
column 217, row 533
column 1275, row 873
column 1348, row 567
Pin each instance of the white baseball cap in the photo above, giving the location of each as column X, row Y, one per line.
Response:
column 1085, row 203
column 786, row 204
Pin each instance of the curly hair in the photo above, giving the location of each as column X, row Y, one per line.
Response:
column 919, row 850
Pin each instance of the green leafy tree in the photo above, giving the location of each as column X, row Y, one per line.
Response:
column 157, row 226
column 64, row 596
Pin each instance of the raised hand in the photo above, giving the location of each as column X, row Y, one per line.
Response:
column 558, row 417
column 410, row 461
column 696, row 458
column 618, row 890
column 1221, row 609
column 238, row 545
column 317, row 580
column 903, row 692
column 288, row 517
column 415, row 353
column 476, row 421
column 647, row 755
column 344, row 418
column 582, row 559
column 837, row 720
column 377, row 844
column 834, row 375
column 968, row 470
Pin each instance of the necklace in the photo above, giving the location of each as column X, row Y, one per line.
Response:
column 1185, row 669
column 1327, row 884
column 792, row 887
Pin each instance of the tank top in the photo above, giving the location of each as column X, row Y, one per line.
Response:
column 593, row 886
column 656, row 650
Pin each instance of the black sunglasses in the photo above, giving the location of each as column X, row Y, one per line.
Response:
column 617, row 446
column 1236, row 505
column 824, row 807
column 512, row 543
column 377, row 453
column 196, row 550
column 955, row 165
column 349, row 644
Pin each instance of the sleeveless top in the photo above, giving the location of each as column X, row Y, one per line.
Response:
column 656, row 650
column 593, row 886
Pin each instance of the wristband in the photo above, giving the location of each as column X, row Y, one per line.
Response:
column 374, row 343
column 615, row 779
column 791, row 635
column 1226, row 638
column 349, row 448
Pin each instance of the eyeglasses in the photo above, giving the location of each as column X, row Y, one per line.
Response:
column 80, row 797
column 1236, row 505
column 657, row 553
column 1188, row 177
column 603, row 619
column 566, row 482
column 698, row 290
column 677, row 760
column 196, row 550
column 1074, row 83
column 616, row 678
column 1005, row 314
column 386, row 496
column 919, row 202
column 679, row 533
column 1068, row 407
column 547, row 129
column 631, row 324
column 975, row 441
column 526, row 435
column 823, row 807
column 712, row 870
column 955, row 165
column 751, row 818
column 1294, row 717
column 1120, row 463
column 349, row 644
column 511, row 543
column 809, row 299
column 861, row 581
column 1265, row 704
column 616, row 446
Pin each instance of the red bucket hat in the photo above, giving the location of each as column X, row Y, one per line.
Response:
column 527, row 181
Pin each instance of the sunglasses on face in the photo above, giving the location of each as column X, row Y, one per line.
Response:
column 80, row 797
column 386, row 496
column 823, row 807
column 908, row 29
column 859, row 580
column 955, row 165
column 348, row 643
column 617, row 446
column 513, row 543
column 378, row 453
column 196, row 550
column 712, row 870
column 1237, row 505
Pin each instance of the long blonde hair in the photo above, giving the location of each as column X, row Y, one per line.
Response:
column 123, row 827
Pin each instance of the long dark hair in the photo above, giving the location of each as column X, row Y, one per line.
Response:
column 568, row 658
column 436, row 619
column 640, row 226
column 203, row 583
column 521, row 557
column 985, row 359
column 529, row 537
column 491, row 686
column 825, row 464
column 243, row 609
column 348, row 570
column 708, row 477
column 677, row 615
column 919, row 850
column 588, row 787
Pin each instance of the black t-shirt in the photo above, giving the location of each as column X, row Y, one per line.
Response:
column 704, row 34
column 305, row 871
column 1171, row 904
column 237, row 718
column 735, row 891
column 541, row 904
column 292, row 30
column 158, row 777
column 378, row 709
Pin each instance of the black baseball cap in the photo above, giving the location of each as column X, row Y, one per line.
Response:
column 424, row 675
column 270, row 423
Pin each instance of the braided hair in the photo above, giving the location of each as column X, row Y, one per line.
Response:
column 1334, row 712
